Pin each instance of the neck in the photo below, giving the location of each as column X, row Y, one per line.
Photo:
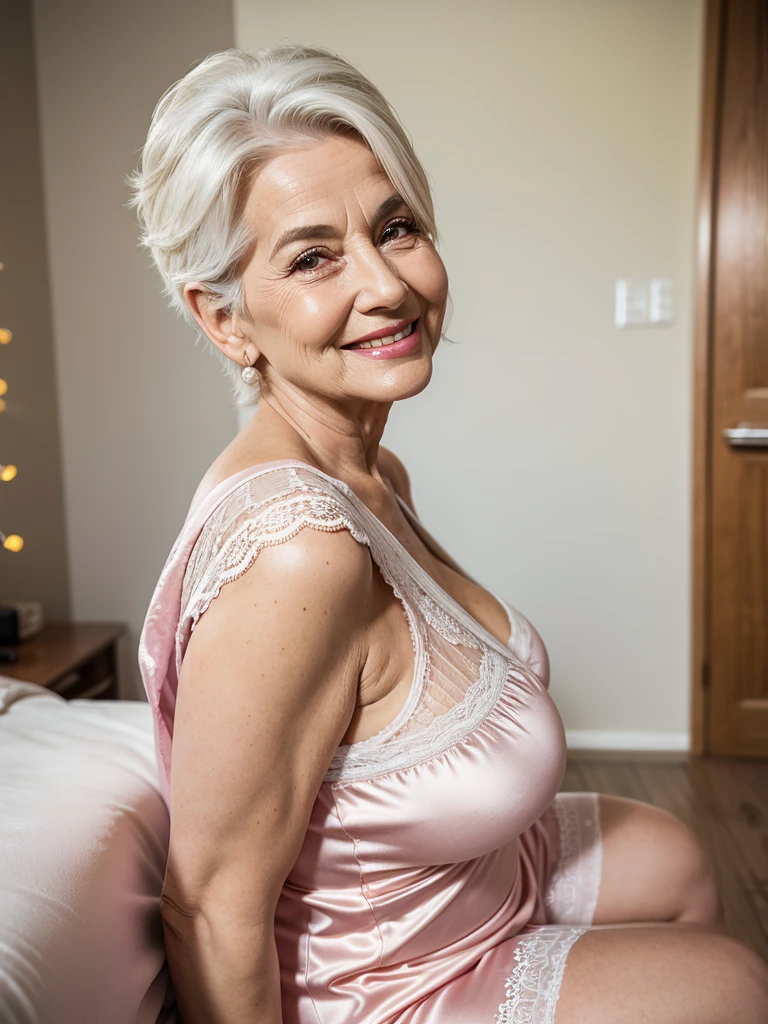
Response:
column 342, row 440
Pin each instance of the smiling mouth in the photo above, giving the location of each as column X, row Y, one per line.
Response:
column 383, row 342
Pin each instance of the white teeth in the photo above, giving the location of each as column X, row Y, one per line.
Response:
column 379, row 342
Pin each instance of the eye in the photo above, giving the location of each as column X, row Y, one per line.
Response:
column 312, row 254
column 299, row 265
column 403, row 222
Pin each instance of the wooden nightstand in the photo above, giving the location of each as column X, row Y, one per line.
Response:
column 76, row 659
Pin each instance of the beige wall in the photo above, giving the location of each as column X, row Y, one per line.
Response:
column 32, row 505
column 143, row 411
column 551, row 453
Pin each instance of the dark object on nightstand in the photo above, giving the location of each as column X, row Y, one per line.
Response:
column 75, row 659
column 20, row 620
column 9, row 625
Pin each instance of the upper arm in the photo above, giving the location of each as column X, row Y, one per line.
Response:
column 267, row 688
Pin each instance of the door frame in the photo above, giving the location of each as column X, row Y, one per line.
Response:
column 706, row 223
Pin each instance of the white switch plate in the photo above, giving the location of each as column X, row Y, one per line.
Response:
column 640, row 303
column 631, row 302
column 661, row 302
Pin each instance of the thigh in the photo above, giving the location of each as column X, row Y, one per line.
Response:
column 621, row 860
column 653, row 866
column 664, row 973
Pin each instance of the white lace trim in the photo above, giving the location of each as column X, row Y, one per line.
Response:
column 278, row 522
column 520, row 637
column 572, row 892
column 351, row 763
column 533, row 988
column 304, row 500
column 368, row 758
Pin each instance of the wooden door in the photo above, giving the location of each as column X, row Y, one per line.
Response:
column 735, row 665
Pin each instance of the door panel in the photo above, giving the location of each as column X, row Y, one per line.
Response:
column 738, row 579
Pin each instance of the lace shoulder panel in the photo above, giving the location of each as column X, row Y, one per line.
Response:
column 457, row 676
column 265, row 509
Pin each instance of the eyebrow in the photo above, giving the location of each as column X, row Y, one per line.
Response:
column 312, row 232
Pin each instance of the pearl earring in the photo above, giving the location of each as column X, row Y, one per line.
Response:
column 249, row 374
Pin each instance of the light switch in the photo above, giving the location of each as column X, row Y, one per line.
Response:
column 640, row 303
column 661, row 301
column 631, row 302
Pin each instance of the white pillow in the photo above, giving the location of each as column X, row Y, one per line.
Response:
column 83, row 847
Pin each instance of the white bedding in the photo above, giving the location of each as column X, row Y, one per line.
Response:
column 83, row 847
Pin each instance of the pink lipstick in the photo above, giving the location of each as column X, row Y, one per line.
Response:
column 403, row 347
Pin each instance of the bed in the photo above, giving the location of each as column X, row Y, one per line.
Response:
column 83, row 848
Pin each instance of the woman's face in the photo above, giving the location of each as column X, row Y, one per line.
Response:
column 362, row 265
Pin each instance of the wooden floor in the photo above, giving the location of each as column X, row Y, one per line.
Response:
column 724, row 800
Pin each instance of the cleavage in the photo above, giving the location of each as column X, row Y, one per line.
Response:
column 474, row 599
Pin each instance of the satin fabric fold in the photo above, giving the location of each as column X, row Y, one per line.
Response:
column 409, row 879
column 416, row 888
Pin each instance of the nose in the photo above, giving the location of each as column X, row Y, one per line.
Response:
column 378, row 283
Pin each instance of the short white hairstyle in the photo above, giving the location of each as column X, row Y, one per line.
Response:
column 216, row 127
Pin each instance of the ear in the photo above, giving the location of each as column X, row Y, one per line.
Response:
column 220, row 327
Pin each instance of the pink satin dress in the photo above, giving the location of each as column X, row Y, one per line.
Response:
column 443, row 877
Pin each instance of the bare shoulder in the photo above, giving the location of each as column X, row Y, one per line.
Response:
column 315, row 567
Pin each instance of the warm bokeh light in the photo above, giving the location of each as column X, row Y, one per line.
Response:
column 13, row 542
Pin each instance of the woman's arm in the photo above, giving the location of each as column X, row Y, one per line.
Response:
column 266, row 692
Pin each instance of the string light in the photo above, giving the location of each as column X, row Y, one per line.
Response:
column 10, row 542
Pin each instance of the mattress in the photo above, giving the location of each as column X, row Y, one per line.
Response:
column 83, row 846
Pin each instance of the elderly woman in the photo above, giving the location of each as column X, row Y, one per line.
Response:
column 365, row 817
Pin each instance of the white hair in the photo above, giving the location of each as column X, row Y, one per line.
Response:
column 216, row 127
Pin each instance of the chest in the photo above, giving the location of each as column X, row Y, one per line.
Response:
column 449, row 794
column 389, row 674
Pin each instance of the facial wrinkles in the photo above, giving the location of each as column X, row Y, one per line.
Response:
column 303, row 194
column 319, row 201
column 306, row 315
column 363, row 259
column 315, row 300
